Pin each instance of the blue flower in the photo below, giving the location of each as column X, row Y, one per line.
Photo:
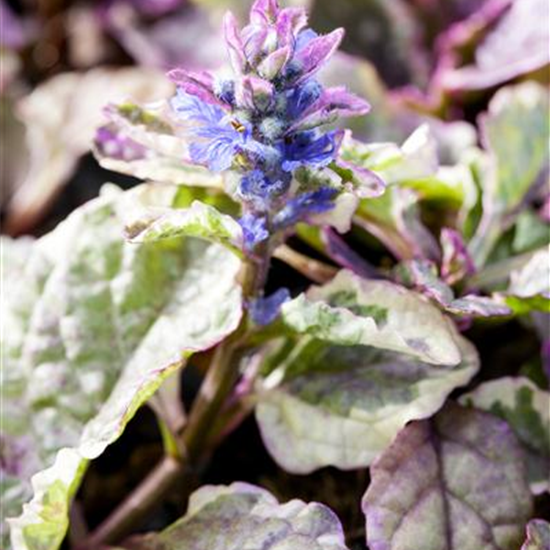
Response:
column 308, row 149
column 302, row 97
column 257, row 185
column 265, row 310
column 299, row 208
column 220, row 141
column 254, row 230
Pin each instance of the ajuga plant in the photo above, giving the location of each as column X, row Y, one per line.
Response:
column 418, row 254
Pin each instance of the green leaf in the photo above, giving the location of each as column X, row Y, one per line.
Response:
column 452, row 483
column 415, row 159
column 94, row 327
column 531, row 232
column 350, row 310
column 526, row 408
column 199, row 220
column 516, row 132
column 422, row 276
column 342, row 405
column 530, row 285
column 242, row 516
column 394, row 219
column 538, row 535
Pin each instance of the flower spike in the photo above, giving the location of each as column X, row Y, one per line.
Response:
column 265, row 123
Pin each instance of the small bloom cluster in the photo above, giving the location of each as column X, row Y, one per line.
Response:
column 265, row 121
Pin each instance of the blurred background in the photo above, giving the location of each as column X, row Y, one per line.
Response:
column 61, row 61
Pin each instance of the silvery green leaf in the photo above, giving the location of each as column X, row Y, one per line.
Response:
column 163, row 150
column 455, row 482
column 515, row 133
column 478, row 306
column 394, row 219
column 95, row 325
column 538, row 535
column 325, row 405
column 530, row 232
column 350, row 310
column 415, row 159
column 530, row 285
column 526, row 408
column 423, row 277
column 61, row 116
column 242, row 516
column 199, row 220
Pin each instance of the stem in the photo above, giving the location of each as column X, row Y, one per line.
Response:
column 138, row 504
column 317, row 271
column 216, row 387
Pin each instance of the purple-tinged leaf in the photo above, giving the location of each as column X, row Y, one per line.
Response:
column 422, row 276
column 114, row 144
column 313, row 56
column 456, row 482
column 478, row 306
column 233, row 40
column 272, row 65
column 242, row 516
column 456, row 262
column 538, row 535
column 341, row 253
column 526, row 408
column 514, row 46
column 363, row 182
column 196, row 83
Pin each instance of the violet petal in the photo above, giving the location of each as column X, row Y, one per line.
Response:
column 234, row 43
column 197, row 83
column 311, row 57
column 333, row 103
column 270, row 67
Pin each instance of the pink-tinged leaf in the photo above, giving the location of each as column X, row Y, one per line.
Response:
column 270, row 67
column 362, row 182
column 334, row 103
column 197, row 83
column 312, row 56
column 233, row 40
column 456, row 262
column 515, row 45
column 264, row 11
column 538, row 535
column 112, row 143
column 456, row 482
